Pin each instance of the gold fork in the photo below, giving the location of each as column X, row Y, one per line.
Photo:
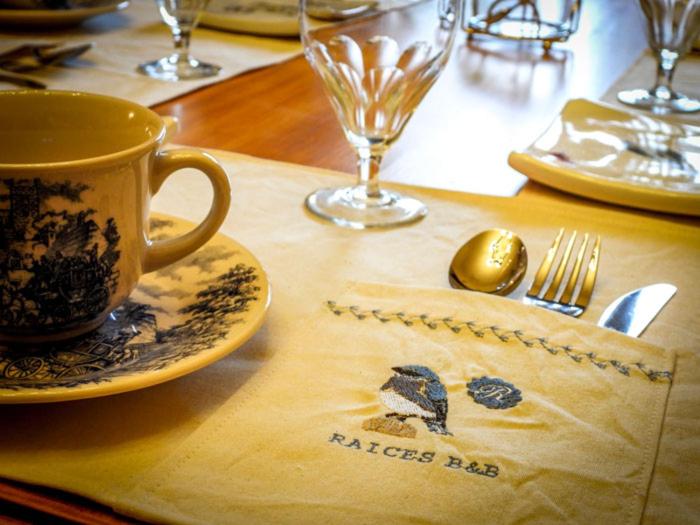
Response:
column 565, row 302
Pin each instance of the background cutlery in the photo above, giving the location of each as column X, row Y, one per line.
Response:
column 33, row 57
column 21, row 80
column 634, row 311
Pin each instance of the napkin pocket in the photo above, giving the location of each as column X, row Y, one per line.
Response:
column 413, row 405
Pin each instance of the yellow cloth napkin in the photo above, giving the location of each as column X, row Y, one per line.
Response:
column 503, row 414
column 106, row 448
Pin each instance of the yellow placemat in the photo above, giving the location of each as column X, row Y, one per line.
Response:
column 104, row 448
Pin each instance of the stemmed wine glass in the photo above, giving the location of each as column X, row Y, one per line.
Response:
column 182, row 17
column 376, row 68
column 672, row 27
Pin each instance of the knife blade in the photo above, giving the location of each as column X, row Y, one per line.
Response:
column 634, row 311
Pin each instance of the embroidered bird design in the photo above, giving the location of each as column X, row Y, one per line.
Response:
column 416, row 391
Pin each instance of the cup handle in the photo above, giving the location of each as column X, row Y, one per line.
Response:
column 172, row 127
column 162, row 253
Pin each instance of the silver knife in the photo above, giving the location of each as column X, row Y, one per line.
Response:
column 634, row 311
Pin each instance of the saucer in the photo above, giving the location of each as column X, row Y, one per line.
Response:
column 178, row 320
column 28, row 18
column 604, row 153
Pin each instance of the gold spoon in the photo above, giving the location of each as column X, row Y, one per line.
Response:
column 493, row 261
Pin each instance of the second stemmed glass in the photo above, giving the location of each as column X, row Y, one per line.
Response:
column 375, row 69
column 182, row 17
column 672, row 27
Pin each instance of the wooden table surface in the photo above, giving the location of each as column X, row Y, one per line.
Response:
column 493, row 97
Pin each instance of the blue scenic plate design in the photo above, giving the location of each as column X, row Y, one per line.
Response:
column 179, row 319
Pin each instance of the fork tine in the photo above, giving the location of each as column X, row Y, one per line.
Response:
column 584, row 295
column 573, row 279
column 546, row 265
column 561, row 269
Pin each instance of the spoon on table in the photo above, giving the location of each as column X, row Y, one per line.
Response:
column 493, row 261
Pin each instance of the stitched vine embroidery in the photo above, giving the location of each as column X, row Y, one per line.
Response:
column 474, row 329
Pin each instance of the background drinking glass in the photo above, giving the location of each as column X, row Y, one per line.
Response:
column 546, row 21
column 672, row 27
column 376, row 68
column 182, row 17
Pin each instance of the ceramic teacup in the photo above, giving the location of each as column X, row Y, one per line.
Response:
column 77, row 172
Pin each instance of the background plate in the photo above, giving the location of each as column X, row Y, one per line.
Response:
column 28, row 18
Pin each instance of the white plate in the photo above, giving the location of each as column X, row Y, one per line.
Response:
column 259, row 17
column 57, row 17
column 275, row 17
column 604, row 153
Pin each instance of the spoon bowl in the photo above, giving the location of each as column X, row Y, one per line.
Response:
column 493, row 261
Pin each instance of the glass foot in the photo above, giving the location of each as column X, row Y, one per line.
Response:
column 350, row 207
column 673, row 102
column 176, row 67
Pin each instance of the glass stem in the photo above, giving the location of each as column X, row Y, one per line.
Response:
column 181, row 39
column 368, row 173
column 664, row 73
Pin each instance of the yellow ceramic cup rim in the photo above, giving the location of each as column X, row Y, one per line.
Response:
column 99, row 160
